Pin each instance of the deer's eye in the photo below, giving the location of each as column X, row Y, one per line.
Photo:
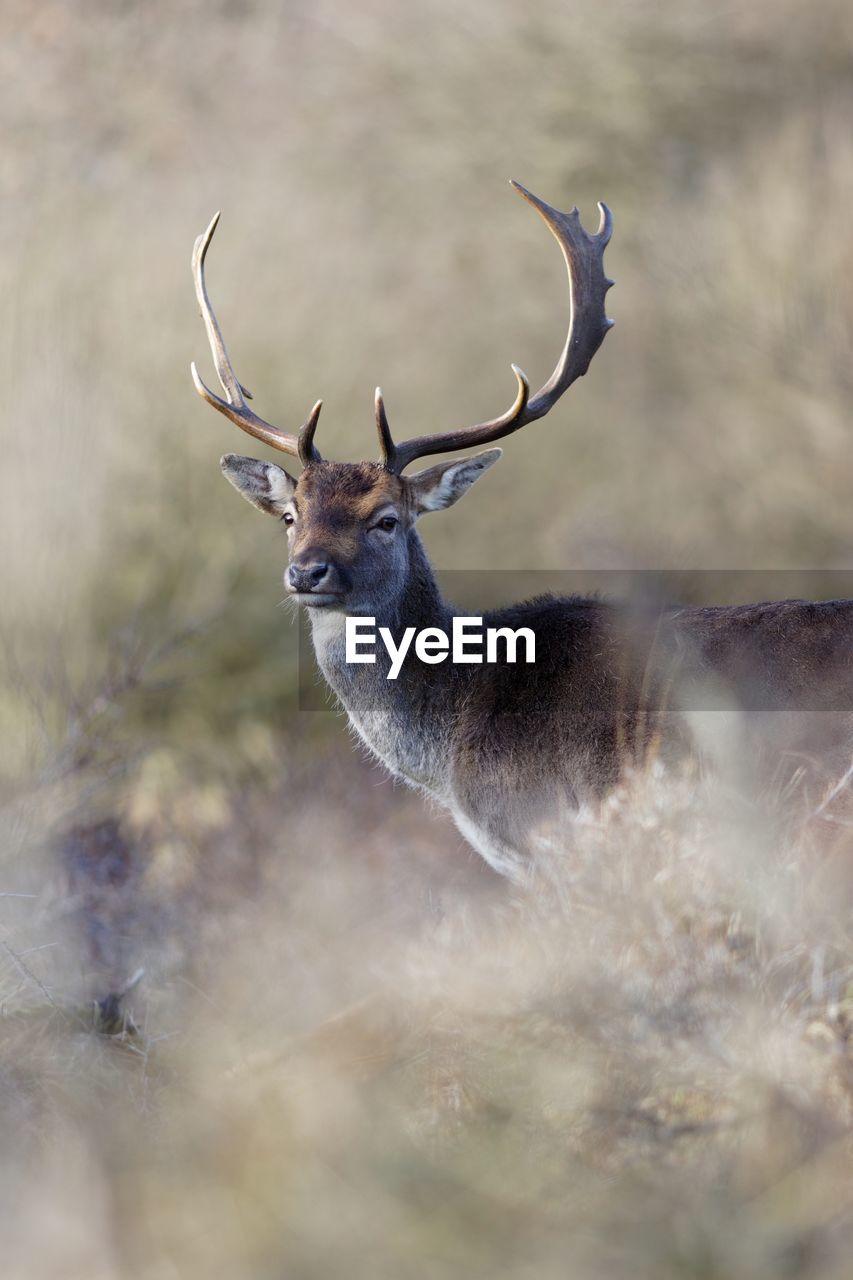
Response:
column 288, row 518
column 387, row 523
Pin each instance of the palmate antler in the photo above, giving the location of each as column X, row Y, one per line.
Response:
column 588, row 325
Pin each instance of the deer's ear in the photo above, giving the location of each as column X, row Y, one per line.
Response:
column 265, row 485
column 442, row 485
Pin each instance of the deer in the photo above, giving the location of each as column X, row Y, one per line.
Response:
column 507, row 748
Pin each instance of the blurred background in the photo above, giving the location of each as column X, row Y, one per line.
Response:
column 588, row 1078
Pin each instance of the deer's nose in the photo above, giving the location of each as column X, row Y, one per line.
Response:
column 307, row 577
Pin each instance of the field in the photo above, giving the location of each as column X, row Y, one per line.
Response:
column 354, row 1051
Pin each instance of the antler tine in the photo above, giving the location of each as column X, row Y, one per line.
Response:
column 234, row 406
column 305, row 449
column 588, row 326
column 386, row 442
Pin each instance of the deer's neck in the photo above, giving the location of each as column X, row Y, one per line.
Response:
column 405, row 721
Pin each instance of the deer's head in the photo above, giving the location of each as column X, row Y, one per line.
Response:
column 348, row 524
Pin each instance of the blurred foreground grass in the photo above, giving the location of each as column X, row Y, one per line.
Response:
column 357, row 1054
column 352, row 1058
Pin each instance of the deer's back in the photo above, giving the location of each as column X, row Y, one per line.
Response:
column 610, row 684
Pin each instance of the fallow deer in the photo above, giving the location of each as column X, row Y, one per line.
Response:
column 502, row 747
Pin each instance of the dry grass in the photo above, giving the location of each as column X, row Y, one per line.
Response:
column 356, row 1052
column 638, row 1064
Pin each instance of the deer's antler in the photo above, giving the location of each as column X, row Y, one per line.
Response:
column 234, row 407
column 588, row 325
